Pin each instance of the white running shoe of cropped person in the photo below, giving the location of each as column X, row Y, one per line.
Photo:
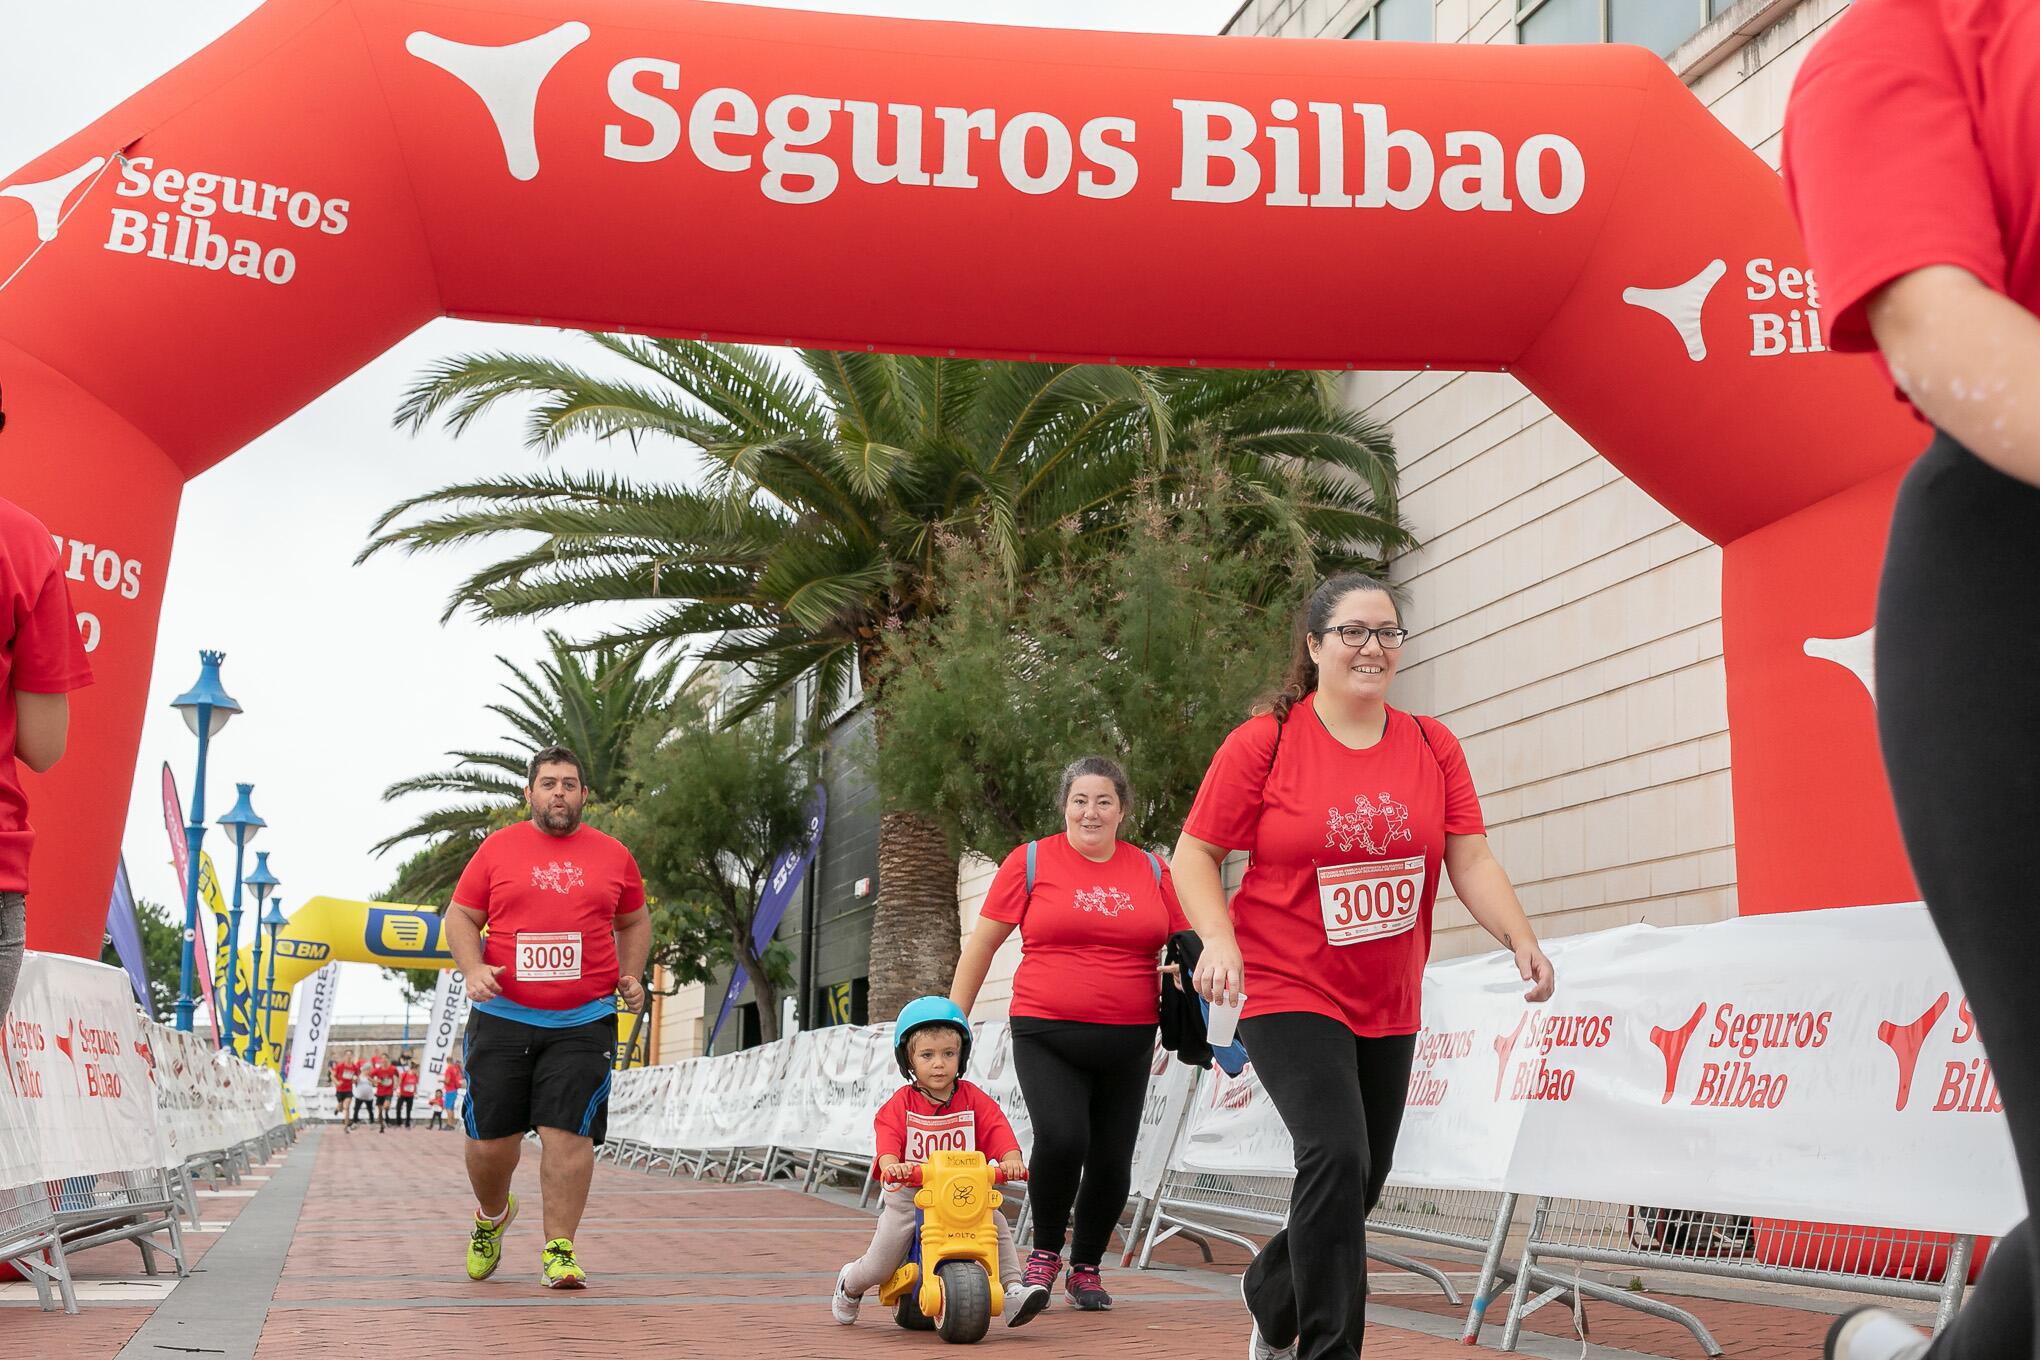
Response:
column 1874, row 1334
column 842, row 1306
column 1258, row 1349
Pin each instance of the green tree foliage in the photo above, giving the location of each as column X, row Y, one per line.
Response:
column 827, row 497
column 712, row 808
column 589, row 700
column 1149, row 652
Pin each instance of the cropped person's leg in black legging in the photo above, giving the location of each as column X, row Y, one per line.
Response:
column 1084, row 1085
column 1341, row 1098
column 1958, row 665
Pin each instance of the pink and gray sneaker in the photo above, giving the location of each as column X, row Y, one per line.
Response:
column 1085, row 1291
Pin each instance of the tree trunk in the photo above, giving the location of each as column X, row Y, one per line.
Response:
column 762, row 990
column 916, row 932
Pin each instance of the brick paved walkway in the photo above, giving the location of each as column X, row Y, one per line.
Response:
column 681, row 1267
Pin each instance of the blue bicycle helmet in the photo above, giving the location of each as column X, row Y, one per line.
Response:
column 922, row 1012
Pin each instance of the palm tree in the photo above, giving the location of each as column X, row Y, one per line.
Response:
column 829, row 494
column 590, row 701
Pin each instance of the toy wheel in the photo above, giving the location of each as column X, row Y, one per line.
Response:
column 966, row 1301
column 907, row 1312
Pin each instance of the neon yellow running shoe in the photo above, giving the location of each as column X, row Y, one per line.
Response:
column 485, row 1247
column 562, row 1271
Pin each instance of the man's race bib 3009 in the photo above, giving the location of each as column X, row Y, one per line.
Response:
column 1370, row 901
column 549, row 956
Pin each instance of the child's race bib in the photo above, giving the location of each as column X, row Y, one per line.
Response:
column 931, row 1133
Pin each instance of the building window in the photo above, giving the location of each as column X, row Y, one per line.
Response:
column 1396, row 21
column 1660, row 25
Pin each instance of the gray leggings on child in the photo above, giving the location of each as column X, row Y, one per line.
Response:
column 895, row 1234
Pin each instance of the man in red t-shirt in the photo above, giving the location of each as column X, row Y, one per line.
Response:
column 1912, row 157
column 344, row 1070
column 564, row 906
column 42, row 659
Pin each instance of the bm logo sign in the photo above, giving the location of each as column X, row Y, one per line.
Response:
column 314, row 950
column 404, row 935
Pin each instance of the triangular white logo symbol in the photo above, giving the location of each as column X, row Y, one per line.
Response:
column 507, row 78
column 1681, row 305
column 1857, row 655
column 47, row 197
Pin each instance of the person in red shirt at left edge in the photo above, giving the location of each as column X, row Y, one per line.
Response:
column 42, row 659
column 565, row 909
column 936, row 1111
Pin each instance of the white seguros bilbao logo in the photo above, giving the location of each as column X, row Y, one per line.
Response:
column 1230, row 154
column 1778, row 328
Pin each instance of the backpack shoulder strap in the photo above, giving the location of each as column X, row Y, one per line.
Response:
column 1154, row 866
column 1424, row 730
column 1032, row 846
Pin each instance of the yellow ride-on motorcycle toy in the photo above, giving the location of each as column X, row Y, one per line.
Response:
column 950, row 1282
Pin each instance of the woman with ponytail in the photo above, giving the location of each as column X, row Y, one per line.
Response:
column 1349, row 810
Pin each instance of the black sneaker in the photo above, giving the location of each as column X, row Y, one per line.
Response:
column 1085, row 1291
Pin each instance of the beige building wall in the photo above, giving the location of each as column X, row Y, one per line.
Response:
column 681, row 1027
column 1568, row 628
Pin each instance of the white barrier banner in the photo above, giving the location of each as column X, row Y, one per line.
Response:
column 78, row 1099
column 1811, row 1065
column 449, row 1012
column 1161, row 1115
column 91, row 1086
column 314, row 1029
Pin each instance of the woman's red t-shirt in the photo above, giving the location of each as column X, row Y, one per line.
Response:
column 1091, row 933
column 1913, row 139
column 1346, row 848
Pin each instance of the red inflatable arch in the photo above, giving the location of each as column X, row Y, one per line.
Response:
column 331, row 174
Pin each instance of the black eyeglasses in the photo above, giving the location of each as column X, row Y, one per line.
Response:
column 1355, row 635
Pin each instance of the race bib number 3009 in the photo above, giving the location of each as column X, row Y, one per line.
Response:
column 1364, row 902
column 931, row 1133
column 549, row 956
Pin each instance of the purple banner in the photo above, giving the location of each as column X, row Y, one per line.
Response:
column 779, row 889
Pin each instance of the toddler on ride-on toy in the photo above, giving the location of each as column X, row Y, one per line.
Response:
column 936, row 1111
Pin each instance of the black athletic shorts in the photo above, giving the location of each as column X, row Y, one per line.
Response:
column 522, row 1077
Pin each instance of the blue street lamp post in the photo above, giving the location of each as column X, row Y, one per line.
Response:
column 273, row 921
column 206, row 708
column 240, row 823
column 262, row 883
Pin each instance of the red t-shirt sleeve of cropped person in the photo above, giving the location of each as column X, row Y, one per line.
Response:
column 1090, row 933
column 1884, row 156
column 551, row 904
column 40, row 653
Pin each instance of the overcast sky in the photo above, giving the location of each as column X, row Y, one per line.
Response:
column 318, row 650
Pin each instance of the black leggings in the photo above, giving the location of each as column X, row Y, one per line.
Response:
column 1958, row 653
column 1085, row 1085
column 403, row 1114
column 1341, row 1097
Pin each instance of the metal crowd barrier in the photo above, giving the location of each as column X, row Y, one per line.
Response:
column 1200, row 1204
column 1919, row 1266
column 1481, row 1226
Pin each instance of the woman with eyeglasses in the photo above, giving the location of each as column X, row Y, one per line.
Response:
column 1349, row 811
